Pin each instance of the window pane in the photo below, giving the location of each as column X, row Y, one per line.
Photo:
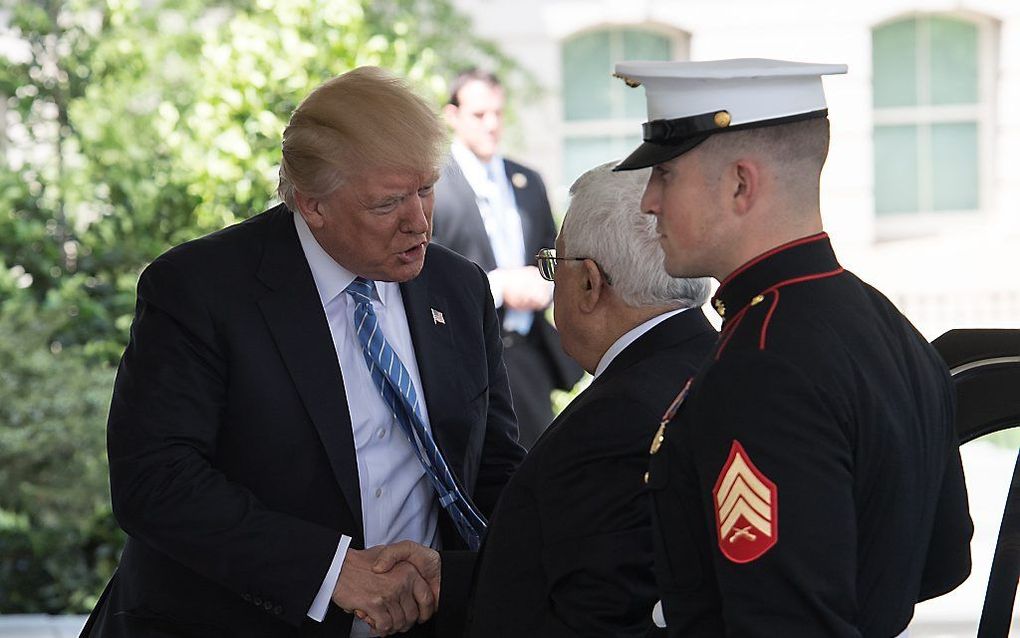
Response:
column 954, row 61
column 583, row 153
column 955, row 166
column 641, row 45
column 895, row 169
column 587, row 79
column 894, row 64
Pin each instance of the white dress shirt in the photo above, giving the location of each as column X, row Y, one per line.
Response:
column 498, row 207
column 630, row 337
column 397, row 500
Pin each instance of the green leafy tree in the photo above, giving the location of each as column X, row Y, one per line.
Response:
column 58, row 540
column 130, row 126
column 133, row 126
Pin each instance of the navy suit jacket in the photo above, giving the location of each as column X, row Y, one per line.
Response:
column 232, row 460
column 569, row 550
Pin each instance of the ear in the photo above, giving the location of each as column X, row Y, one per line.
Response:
column 310, row 209
column 450, row 113
column 594, row 286
column 746, row 185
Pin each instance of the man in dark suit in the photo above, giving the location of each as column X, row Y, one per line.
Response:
column 569, row 548
column 304, row 388
column 496, row 213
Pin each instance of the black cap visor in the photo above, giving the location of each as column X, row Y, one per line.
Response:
column 652, row 153
column 667, row 139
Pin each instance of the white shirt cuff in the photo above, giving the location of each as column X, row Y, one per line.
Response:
column 657, row 616
column 496, row 286
column 320, row 605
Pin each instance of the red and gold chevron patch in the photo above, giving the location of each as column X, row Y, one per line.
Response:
column 746, row 508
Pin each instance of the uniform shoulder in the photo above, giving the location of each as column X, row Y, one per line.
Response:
column 792, row 324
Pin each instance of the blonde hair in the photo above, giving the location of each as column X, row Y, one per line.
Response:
column 364, row 119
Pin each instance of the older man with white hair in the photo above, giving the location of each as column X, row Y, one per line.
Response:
column 569, row 548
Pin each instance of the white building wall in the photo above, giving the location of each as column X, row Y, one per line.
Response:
column 944, row 272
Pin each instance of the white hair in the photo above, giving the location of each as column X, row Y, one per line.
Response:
column 604, row 222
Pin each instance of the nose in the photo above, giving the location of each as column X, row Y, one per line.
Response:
column 650, row 199
column 416, row 214
column 491, row 122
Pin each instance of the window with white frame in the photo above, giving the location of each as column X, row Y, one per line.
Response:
column 601, row 115
column 932, row 113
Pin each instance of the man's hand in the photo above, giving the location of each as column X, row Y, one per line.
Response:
column 424, row 559
column 523, row 288
column 391, row 601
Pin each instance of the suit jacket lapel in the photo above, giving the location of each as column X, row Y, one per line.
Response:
column 437, row 361
column 524, row 198
column 296, row 319
column 471, row 217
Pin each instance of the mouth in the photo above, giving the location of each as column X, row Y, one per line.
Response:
column 412, row 254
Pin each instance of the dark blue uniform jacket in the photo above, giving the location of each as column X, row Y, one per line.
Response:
column 810, row 484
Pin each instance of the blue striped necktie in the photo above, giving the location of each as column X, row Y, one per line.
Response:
column 397, row 391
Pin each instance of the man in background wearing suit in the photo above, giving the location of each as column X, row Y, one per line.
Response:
column 569, row 549
column 496, row 213
column 304, row 388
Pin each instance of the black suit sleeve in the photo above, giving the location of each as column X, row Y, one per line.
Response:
column 948, row 562
column 165, row 419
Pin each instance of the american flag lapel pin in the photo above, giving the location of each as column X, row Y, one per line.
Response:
column 437, row 317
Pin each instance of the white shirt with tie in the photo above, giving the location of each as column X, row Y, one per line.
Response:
column 397, row 500
column 497, row 205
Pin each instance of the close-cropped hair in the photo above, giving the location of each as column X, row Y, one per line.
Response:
column 798, row 149
column 471, row 75
column 604, row 222
column 365, row 119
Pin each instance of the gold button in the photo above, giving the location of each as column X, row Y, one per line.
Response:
column 722, row 119
column 757, row 300
column 646, row 478
column 720, row 307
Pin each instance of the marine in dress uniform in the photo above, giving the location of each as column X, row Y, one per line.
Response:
column 807, row 482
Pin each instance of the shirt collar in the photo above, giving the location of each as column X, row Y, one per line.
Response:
column 331, row 279
column 475, row 171
column 630, row 337
column 802, row 257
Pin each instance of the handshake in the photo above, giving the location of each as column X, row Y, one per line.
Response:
column 391, row 587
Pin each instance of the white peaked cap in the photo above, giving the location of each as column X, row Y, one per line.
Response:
column 688, row 101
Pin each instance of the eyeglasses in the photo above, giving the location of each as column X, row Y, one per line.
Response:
column 547, row 264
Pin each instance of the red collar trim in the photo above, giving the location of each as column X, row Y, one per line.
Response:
column 778, row 249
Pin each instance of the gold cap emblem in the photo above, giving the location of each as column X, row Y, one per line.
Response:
column 631, row 82
column 520, row 180
column 757, row 300
column 722, row 119
column 720, row 307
